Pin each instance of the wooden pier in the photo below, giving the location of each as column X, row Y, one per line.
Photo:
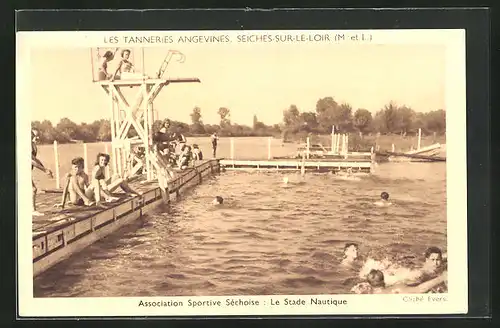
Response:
column 60, row 233
column 315, row 165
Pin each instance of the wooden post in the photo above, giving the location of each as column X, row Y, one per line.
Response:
column 150, row 132
column 114, row 118
column 232, row 148
column 147, row 118
column 307, row 147
column 343, row 144
column 346, row 144
column 107, row 167
column 337, row 145
column 86, row 165
column 333, row 138
column 56, row 155
column 419, row 138
column 303, row 165
column 269, row 148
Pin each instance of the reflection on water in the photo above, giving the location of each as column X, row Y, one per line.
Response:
column 268, row 238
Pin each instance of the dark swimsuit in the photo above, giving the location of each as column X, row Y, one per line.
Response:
column 100, row 176
column 34, row 152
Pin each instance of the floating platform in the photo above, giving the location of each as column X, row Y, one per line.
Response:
column 315, row 165
column 425, row 154
column 60, row 233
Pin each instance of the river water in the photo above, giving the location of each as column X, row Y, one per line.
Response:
column 268, row 238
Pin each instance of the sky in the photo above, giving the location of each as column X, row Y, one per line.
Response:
column 258, row 78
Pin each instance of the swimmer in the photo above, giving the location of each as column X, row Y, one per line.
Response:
column 351, row 254
column 434, row 264
column 433, row 259
column 384, row 200
column 218, row 200
column 376, row 280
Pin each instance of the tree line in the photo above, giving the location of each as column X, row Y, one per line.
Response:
column 391, row 119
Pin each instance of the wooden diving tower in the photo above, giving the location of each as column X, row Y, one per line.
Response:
column 138, row 113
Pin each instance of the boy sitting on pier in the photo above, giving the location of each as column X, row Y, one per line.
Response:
column 77, row 186
column 197, row 153
column 185, row 157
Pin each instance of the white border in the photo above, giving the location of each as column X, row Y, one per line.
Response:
column 455, row 301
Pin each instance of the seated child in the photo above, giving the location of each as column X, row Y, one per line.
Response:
column 197, row 153
column 77, row 187
column 106, row 187
column 184, row 157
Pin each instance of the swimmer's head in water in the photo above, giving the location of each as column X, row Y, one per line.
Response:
column 218, row 200
column 376, row 278
column 351, row 251
column 433, row 258
column 384, row 196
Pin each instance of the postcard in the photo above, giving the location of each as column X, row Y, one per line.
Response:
column 236, row 173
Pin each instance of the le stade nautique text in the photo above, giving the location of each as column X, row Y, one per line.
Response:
column 242, row 38
column 231, row 302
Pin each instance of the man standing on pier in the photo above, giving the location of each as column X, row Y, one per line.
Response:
column 35, row 162
column 214, row 139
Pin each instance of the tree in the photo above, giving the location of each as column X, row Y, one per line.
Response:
column 104, row 133
column 197, row 126
column 255, row 122
column 385, row 120
column 343, row 118
column 86, row 133
column 291, row 118
column 196, row 116
column 308, row 121
column 405, row 118
column 329, row 113
column 225, row 116
column 67, row 128
column 362, row 120
column 435, row 121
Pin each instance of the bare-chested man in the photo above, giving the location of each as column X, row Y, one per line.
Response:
column 376, row 280
column 78, row 187
column 35, row 162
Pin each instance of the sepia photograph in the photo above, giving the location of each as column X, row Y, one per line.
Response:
column 236, row 172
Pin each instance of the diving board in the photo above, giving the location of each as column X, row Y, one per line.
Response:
column 137, row 113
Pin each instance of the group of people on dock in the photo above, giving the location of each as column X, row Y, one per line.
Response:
column 174, row 151
column 171, row 148
column 385, row 277
column 86, row 191
column 79, row 188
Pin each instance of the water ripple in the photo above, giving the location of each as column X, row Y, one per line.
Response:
column 266, row 239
